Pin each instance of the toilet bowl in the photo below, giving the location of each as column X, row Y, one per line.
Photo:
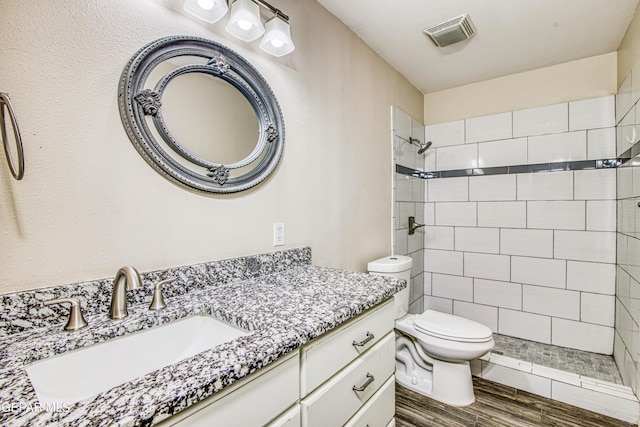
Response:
column 433, row 349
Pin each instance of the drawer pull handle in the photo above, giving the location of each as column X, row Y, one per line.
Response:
column 368, row 338
column 366, row 383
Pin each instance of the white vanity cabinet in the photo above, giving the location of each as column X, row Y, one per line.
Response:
column 346, row 368
column 252, row 401
column 344, row 377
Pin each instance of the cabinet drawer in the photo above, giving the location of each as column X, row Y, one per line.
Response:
column 334, row 402
column 253, row 402
column 291, row 418
column 379, row 410
column 325, row 356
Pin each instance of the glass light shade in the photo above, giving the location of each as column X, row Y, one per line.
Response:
column 244, row 20
column 207, row 10
column 277, row 38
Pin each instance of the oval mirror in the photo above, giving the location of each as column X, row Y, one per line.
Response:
column 201, row 115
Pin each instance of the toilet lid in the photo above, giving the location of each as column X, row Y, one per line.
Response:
column 447, row 326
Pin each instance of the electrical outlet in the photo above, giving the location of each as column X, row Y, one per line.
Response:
column 278, row 234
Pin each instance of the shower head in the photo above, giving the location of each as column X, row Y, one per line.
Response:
column 423, row 147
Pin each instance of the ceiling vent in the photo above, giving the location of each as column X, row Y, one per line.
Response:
column 453, row 31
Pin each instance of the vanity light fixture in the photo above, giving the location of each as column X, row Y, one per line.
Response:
column 277, row 39
column 208, row 10
column 245, row 23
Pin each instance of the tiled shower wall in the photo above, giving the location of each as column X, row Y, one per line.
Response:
column 628, row 228
column 531, row 255
column 408, row 197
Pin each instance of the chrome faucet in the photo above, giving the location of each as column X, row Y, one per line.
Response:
column 130, row 277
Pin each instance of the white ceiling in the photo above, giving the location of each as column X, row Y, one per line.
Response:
column 513, row 36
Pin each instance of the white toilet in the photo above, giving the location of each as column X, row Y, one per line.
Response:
column 433, row 349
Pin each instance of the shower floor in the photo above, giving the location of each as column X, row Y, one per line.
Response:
column 579, row 362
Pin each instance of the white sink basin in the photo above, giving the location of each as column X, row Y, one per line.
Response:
column 76, row 375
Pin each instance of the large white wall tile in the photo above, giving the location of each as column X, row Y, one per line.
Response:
column 438, row 237
column 445, row 134
column 528, row 326
column 545, row 186
column 405, row 210
column 502, row 214
column 598, row 184
column 485, row 266
column 626, row 132
column 488, row 128
column 457, row 157
column 404, row 188
column 559, row 147
column 508, row 152
column 593, row 246
column 472, row 239
column 563, row 215
column 448, row 189
column 452, row 287
column 482, row 314
column 400, row 242
column 601, row 144
column 539, row 271
column 597, row 308
column 492, row 188
column 601, row 215
column 551, row 302
column 446, row 262
column 535, row 243
column 582, row 336
column 541, row 120
column 592, row 113
column 591, row 277
column 443, row 305
column 456, row 213
column 500, row 294
column 429, row 213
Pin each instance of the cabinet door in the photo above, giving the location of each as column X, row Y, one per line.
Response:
column 253, row 403
column 337, row 400
column 326, row 355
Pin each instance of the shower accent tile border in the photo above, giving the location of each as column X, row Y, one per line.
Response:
column 509, row 170
column 623, row 158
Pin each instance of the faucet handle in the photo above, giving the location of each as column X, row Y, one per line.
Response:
column 157, row 303
column 76, row 321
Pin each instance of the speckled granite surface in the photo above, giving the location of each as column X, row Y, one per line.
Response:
column 286, row 304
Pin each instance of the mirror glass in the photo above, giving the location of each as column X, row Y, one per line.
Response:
column 201, row 115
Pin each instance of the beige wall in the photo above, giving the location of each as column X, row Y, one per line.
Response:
column 89, row 203
column 629, row 49
column 572, row 81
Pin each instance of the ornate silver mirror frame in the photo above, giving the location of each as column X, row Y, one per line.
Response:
column 138, row 103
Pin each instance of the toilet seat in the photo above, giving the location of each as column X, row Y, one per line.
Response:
column 450, row 327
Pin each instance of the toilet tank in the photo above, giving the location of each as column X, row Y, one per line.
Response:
column 398, row 266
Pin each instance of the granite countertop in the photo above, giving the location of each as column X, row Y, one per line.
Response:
column 283, row 310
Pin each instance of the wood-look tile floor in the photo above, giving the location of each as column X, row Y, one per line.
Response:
column 496, row 405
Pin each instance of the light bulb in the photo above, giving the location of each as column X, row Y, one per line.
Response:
column 277, row 43
column 206, row 4
column 244, row 24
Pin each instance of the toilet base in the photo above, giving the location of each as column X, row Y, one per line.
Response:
column 447, row 382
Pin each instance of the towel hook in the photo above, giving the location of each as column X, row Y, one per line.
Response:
column 6, row 102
